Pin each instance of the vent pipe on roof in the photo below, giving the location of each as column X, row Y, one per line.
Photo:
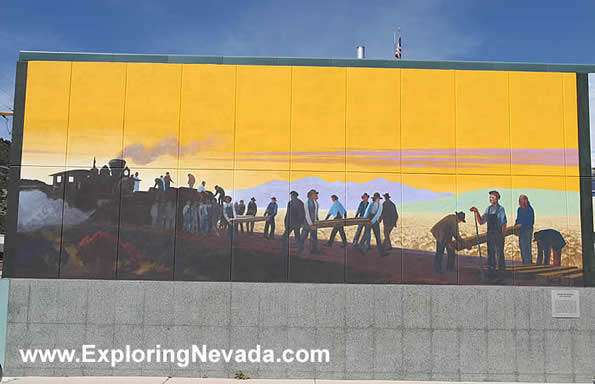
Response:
column 361, row 52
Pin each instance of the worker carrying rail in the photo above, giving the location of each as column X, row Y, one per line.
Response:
column 444, row 231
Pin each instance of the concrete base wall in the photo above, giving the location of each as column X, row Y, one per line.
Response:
column 416, row 332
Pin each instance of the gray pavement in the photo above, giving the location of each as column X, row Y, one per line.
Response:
column 172, row 380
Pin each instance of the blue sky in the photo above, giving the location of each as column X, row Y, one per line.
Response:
column 519, row 31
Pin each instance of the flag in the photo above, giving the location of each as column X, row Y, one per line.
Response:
column 398, row 50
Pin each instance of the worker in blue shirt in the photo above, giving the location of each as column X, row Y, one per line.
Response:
column 373, row 213
column 525, row 216
column 549, row 240
column 270, row 212
column 361, row 209
column 337, row 211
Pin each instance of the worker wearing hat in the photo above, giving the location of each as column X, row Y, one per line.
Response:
column 389, row 219
column 311, row 215
column 294, row 220
column 229, row 213
column 444, row 231
column 361, row 209
column 495, row 217
column 240, row 210
column 373, row 213
column 251, row 211
column 270, row 212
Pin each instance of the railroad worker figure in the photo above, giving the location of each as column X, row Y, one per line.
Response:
column 158, row 183
column 294, row 221
column 337, row 211
column 373, row 213
column 270, row 212
column 168, row 181
column 240, row 209
column 155, row 215
column 444, row 231
column 389, row 219
column 229, row 213
column 204, row 218
column 549, row 239
column 525, row 216
column 251, row 211
column 169, row 216
column 311, row 215
column 191, row 180
column 214, row 215
column 187, row 216
column 361, row 209
column 495, row 217
column 219, row 194
column 137, row 181
column 195, row 214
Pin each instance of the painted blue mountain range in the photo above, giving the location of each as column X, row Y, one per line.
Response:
column 349, row 193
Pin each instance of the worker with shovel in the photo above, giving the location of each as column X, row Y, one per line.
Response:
column 495, row 217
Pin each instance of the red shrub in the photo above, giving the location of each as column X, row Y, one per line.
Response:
column 92, row 251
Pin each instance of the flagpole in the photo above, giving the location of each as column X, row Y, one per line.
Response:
column 397, row 49
column 400, row 53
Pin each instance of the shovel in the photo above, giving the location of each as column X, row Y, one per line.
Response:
column 481, row 271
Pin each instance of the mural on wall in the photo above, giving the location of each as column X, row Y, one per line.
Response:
column 257, row 173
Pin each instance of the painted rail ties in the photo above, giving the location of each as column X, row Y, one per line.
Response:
column 544, row 273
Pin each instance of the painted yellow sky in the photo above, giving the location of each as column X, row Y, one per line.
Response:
column 284, row 121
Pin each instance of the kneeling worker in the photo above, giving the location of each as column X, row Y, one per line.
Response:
column 444, row 231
